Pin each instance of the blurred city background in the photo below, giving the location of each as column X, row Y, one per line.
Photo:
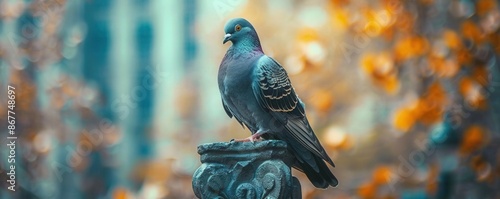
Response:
column 113, row 97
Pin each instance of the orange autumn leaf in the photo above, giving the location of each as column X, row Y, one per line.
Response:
column 466, row 84
column 404, row 119
column 336, row 138
column 429, row 112
column 473, row 139
column 482, row 168
column 388, row 33
column 367, row 190
column 307, row 35
column 484, row 6
column 443, row 67
column 322, row 100
column 436, row 93
column 403, row 49
column 120, row 193
column 388, row 196
column 391, row 84
column 368, row 63
column 380, row 65
column 431, row 106
column 340, row 3
column 463, row 56
column 471, row 91
column 154, row 171
column 471, row 31
column 452, row 39
column 393, row 6
column 404, row 22
column 410, row 47
column 480, row 103
column 427, row 2
column 420, row 45
column 381, row 70
column 376, row 21
column 480, row 75
column 495, row 42
column 346, row 144
column 432, row 183
column 340, row 18
column 478, row 163
column 382, row 175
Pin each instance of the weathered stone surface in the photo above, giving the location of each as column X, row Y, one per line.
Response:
column 245, row 170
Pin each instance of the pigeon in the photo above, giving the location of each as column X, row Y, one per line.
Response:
column 256, row 91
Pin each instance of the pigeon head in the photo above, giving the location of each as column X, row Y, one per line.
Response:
column 240, row 31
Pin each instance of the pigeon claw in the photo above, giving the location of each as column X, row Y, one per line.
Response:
column 252, row 138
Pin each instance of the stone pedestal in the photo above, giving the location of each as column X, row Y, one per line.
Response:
column 245, row 170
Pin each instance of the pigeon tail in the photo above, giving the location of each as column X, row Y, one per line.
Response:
column 312, row 165
column 321, row 179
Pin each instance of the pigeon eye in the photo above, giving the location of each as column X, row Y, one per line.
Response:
column 237, row 27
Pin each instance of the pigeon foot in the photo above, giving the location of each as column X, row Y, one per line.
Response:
column 251, row 138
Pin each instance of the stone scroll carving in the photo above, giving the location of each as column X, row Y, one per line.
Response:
column 245, row 170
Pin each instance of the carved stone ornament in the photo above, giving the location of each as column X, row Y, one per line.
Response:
column 245, row 170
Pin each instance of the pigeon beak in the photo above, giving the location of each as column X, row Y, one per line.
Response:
column 226, row 38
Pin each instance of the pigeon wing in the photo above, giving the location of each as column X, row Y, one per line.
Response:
column 230, row 114
column 275, row 93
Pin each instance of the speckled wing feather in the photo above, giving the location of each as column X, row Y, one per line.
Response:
column 273, row 88
column 274, row 92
